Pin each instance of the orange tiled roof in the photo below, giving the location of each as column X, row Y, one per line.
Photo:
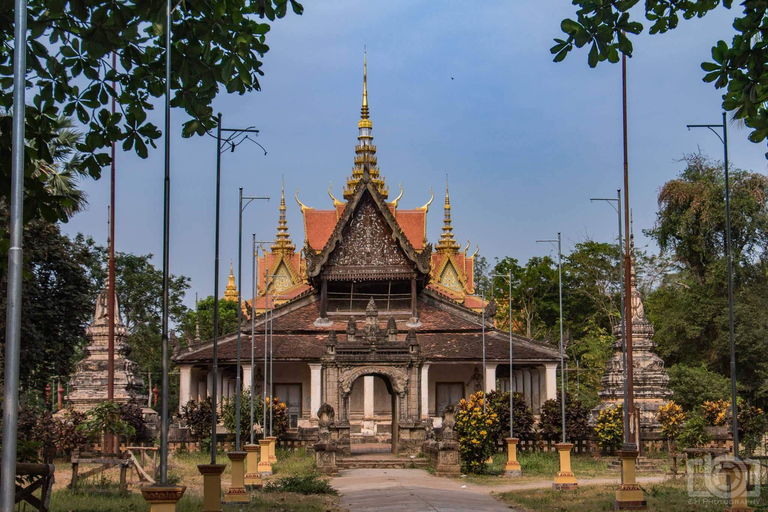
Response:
column 414, row 225
column 318, row 226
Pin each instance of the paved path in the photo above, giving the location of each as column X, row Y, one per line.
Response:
column 415, row 490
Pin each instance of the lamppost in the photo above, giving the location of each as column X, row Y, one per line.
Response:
column 564, row 479
column 251, row 462
column 512, row 467
column 617, row 209
column 736, row 469
column 212, row 472
column 237, row 491
column 269, row 307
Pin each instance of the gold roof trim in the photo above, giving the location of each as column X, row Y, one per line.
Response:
column 302, row 205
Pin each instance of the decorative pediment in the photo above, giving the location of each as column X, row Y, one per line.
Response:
column 367, row 243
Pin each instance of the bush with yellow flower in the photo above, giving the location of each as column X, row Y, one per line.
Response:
column 672, row 419
column 610, row 427
column 475, row 429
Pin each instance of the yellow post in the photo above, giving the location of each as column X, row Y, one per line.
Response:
column 736, row 472
column 252, row 464
column 236, row 491
column 272, row 444
column 163, row 498
column 565, row 479
column 265, row 467
column 512, row 467
column 629, row 495
column 211, row 486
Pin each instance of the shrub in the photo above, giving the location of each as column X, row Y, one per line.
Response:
column 307, row 484
column 752, row 427
column 44, row 436
column 475, row 430
column 610, row 427
column 672, row 419
column 105, row 419
column 132, row 414
column 693, row 434
column 576, row 419
column 197, row 416
column 499, row 404
column 279, row 418
column 716, row 412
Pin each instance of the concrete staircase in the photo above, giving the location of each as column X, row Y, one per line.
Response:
column 381, row 461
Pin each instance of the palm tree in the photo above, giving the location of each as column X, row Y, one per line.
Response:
column 64, row 171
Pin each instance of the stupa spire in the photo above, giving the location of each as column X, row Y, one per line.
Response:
column 283, row 243
column 365, row 151
column 230, row 293
column 447, row 242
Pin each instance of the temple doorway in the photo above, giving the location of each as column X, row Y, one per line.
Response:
column 372, row 407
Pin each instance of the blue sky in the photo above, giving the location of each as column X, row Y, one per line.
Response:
column 464, row 89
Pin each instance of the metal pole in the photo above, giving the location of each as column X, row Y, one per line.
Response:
column 271, row 365
column 15, row 261
column 562, row 358
column 216, row 295
column 729, row 258
column 254, row 257
column 238, row 382
column 511, row 393
column 485, row 384
column 627, row 265
column 266, row 335
column 109, row 438
column 166, row 249
column 621, row 308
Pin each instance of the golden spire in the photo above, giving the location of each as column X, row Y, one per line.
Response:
column 230, row 293
column 447, row 243
column 365, row 151
column 283, row 243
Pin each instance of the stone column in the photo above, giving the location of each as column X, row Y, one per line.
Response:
column 490, row 377
column 202, row 389
column 315, row 389
column 542, row 385
column 551, row 377
column 224, row 388
column 518, row 381
column 185, row 385
column 535, row 392
column 425, row 391
column 527, row 386
column 220, row 387
column 247, row 377
column 368, row 397
column 209, row 383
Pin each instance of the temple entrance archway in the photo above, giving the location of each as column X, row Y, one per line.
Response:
column 372, row 408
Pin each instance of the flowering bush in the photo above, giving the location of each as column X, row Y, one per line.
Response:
column 475, row 430
column 610, row 427
column 279, row 415
column 499, row 404
column 753, row 425
column 716, row 412
column 672, row 419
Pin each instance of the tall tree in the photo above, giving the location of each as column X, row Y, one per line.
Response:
column 56, row 304
column 69, row 72
column 738, row 67
column 204, row 315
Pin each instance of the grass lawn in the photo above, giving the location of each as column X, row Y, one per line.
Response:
column 544, row 465
column 182, row 470
column 670, row 495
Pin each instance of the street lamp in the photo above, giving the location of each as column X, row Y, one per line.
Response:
column 512, row 467
column 237, row 491
column 729, row 259
column 564, row 479
column 212, row 473
column 617, row 209
column 562, row 357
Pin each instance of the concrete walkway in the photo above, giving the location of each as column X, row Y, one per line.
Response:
column 405, row 490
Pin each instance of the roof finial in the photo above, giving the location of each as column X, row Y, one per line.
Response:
column 365, row 151
column 364, row 111
column 283, row 243
column 447, row 243
column 230, row 293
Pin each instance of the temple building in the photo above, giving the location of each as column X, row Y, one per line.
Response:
column 371, row 319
